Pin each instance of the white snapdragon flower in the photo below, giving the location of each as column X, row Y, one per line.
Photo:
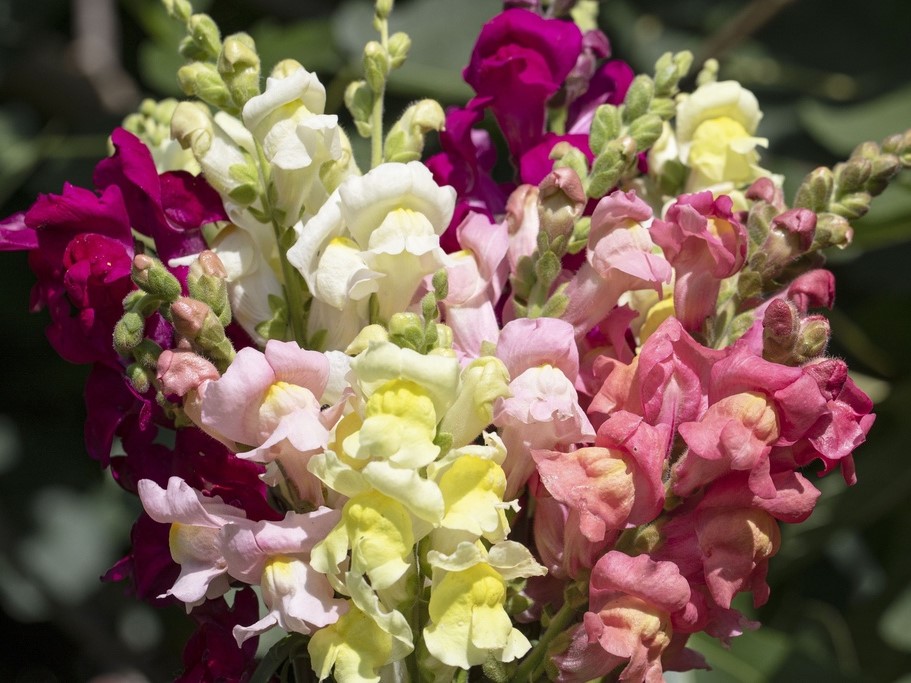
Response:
column 297, row 138
column 377, row 234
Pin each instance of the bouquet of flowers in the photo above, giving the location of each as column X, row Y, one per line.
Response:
column 531, row 407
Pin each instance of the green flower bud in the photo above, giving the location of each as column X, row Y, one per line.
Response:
column 376, row 66
column 384, row 8
column 547, row 267
column 883, row 169
column 139, row 377
column 238, row 64
column 205, row 34
column 151, row 276
column 406, row 330
column 405, row 140
column 147, row 353
column 178, row 9
column 399, row 46
column 815, row 191
column 812, row 339
column 440, row 284
column 129, row 332
column 206, row 282
column 707, row 74
column 646, row 130
column 852, row 175
column 561, row 201
column 853, row 205
column 606, row 126
column 832, row 230
column 191, row 126
column 638, row 98
column 359, row 101
column 202, row 80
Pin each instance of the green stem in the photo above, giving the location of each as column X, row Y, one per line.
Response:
column 533, row 664
column 292, row 292
column 376, row 116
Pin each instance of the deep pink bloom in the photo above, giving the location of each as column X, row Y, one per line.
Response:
column 90, row 235
column 169, row 208
column 520, row 61
column 148, row 566
column 705, row 243
column 211, row 654
column 465, row 162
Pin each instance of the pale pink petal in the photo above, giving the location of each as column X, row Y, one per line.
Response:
column 232, row 402
column 294, row 365
column 527, row 343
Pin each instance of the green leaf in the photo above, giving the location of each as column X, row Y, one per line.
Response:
column 840, row 129
column 277, row 656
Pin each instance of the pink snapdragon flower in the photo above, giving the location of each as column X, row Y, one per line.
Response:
column 632, row 604
column 614, row 484
column 543, row 411
column 619, row 258
column 270, row 403
column 667, row 383
column 276, row 556
column 705, row 243
column 196, row 540
column 476, row 276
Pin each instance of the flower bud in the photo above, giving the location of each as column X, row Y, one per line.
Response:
column 189, row 317
column 139, row 378
column 852, row 205
column 202, row 80
column 815, row 191
column 129, row 332
column 359, row 101
column 206, row 281
column 561, row 201
column 852, row 175
column 646, row 130
column 384, row 8
column 399, row 46
column 780, row 327
column 884, row 168
column 406, row 330
column 191, row 126
column 239, row 66
column 764, row 189
column 606, row 126
column 482, row 382
column 151, row 276
column 790, row 235
column 205, row 34
column 812, row 339
column 638, row 98
column 405, row 140
column 376, row 66
column 832, row 230
column 178, row 9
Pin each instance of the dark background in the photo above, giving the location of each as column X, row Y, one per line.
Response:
column 828, row 74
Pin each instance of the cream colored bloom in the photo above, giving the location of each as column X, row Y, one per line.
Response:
column 377, row 234
column 716, row 128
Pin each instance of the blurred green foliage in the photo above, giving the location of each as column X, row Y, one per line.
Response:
column 828, row 73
